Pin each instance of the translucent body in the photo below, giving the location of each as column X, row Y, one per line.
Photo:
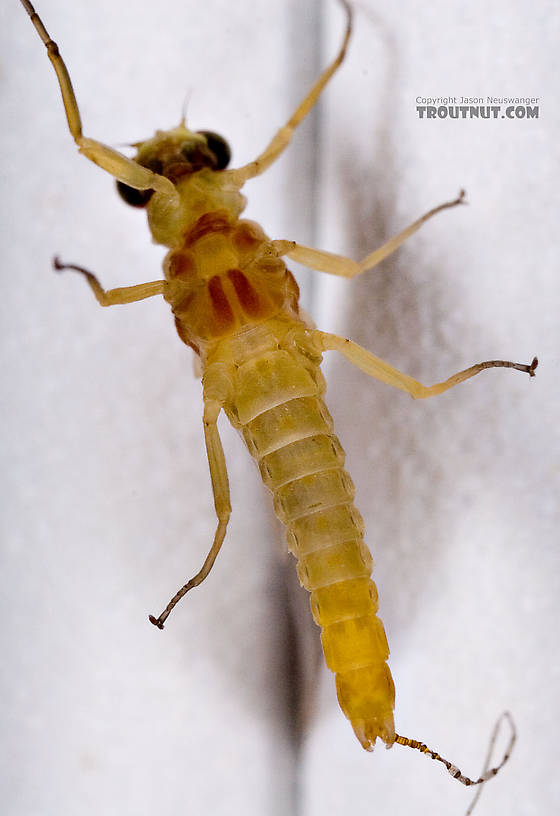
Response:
column 235, row 303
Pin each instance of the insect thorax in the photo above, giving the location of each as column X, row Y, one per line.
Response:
column 225, row 275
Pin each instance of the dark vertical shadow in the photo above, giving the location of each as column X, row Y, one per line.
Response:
column 382, row 315
column 299, row 637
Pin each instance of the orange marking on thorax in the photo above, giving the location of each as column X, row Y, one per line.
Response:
column 222, row 313
column 211, row 222
column 225, row 276
column 251, row 302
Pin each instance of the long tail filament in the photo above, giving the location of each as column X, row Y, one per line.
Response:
column 487, row 773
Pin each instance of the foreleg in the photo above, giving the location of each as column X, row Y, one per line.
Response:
column 110, row 160
column 282, row 138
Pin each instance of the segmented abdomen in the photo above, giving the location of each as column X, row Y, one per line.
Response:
column 289, row 431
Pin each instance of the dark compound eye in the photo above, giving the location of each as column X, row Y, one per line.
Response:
column 219, row 147
column 136, row 198
column 154, row 164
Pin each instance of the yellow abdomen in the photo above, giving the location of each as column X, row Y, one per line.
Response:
column 279, row 409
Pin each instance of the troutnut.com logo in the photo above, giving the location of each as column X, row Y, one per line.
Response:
column 477, row 107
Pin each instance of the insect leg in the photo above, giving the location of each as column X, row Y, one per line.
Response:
column 113, row 297
column 346, row 267
column 220, row 488
column 282, row 138
column 110, row 160
column 378, row 368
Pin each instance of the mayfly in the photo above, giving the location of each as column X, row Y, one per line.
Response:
column 235, row 304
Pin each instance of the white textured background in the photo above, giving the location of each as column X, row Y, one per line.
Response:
column 105, row 493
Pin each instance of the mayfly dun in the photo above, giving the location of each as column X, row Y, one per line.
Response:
column 235, row 303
